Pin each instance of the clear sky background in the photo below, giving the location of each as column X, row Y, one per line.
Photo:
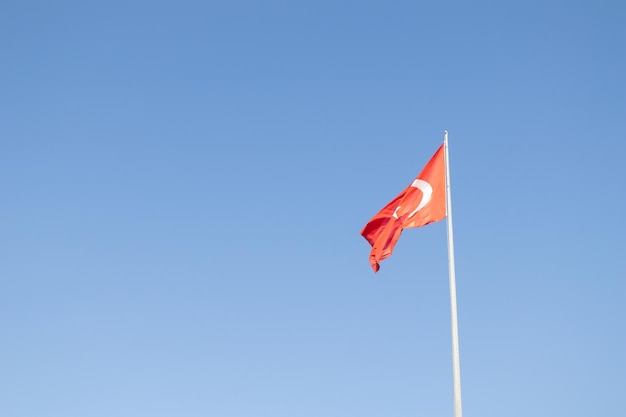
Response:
column 183, row 185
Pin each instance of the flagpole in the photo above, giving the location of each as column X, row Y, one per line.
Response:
column 456, row 365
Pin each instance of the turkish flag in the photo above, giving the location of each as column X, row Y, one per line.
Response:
column 421, row 203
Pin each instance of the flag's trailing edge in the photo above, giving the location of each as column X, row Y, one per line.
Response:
column 421, row 203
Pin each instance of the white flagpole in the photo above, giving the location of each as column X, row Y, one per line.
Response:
column 456, row 365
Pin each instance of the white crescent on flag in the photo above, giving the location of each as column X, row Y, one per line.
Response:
column 427, row 192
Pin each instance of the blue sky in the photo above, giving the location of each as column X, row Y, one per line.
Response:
column 183, row 186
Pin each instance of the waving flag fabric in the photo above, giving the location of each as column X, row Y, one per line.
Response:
column 421, row 203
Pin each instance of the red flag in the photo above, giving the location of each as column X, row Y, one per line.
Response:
column 421, row 203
